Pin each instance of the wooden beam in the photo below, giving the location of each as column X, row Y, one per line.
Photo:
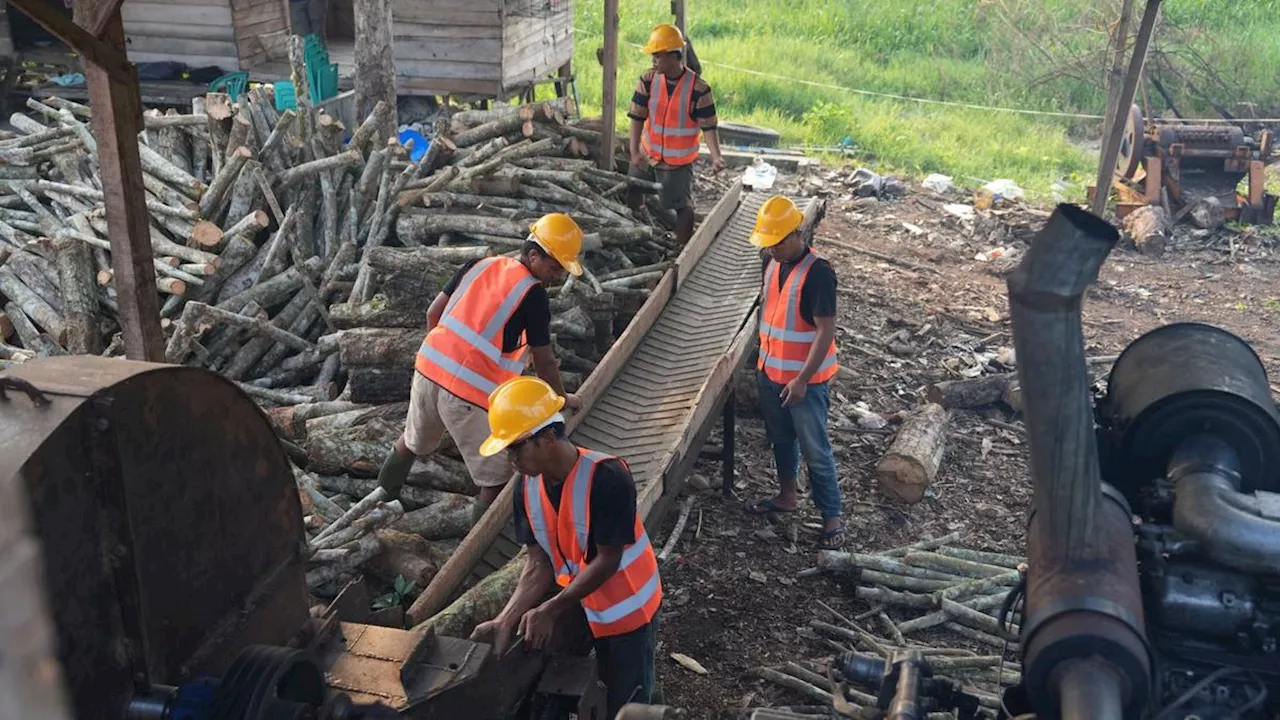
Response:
column 1115, row 77
column 94, row 17
column 117, row 120
column 375, row 77
column 678, row 10
column 94, row 50
column 1107, row 164
column 609, row 98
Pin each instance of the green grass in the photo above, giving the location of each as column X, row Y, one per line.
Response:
column 1007, row 53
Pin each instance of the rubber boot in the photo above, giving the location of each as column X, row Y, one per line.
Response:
column 394, row 472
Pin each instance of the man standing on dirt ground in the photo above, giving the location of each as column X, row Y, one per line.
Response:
column 575, row 512
column 671, row 109
column 797, row 360
column 477, row 329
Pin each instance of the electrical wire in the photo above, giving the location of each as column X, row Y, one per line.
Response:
column 1166, row 712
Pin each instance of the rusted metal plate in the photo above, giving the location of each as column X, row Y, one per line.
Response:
column 399, row 668
column 168, row 515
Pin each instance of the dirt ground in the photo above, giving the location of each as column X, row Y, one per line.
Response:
column 733, row 598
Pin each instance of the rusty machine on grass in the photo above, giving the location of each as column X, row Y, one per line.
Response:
column 173, row 564
column 1177, row 165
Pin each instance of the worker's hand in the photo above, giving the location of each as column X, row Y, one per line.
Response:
column 573, row 402
column 717, row 164
column 536, row 626
column 793, row 393
column 639, row 160
column 495, row 633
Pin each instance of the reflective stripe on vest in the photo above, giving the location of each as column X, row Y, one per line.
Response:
column 670, row 135
column 463, row 352
column 785, row 336
column 627, row 600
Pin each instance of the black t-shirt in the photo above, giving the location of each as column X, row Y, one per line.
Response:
column 532, row 317
column 613, row 508
column 818, row 295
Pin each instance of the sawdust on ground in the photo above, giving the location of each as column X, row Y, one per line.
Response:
column 733, row 601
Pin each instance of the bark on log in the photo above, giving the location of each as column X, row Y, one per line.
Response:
column 405, row 555
column 33, row 341
column 974, row 392
column 79, row 297
column 351, row 418
column 379, row 386
column 357, row 450
column 988, row 558
column 379, row 517
column 1149, row 228
column 911, row 464
column 481, row 603
column 449, row 518
column 294, row 175
column 442, row 473
column 954, row 566
column 412, row 497
column 41, row 312
column 376, row 314
column 420, row 227
column 489, row 130
column 837, row 561
column 378, row 347
column 368, row 129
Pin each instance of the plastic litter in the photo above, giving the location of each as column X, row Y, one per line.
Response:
column 939, row 183
column 760, row 175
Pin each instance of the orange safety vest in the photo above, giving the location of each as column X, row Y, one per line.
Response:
column 670, row 135
column 628, row 600
column 785, row 336
column 463, row 352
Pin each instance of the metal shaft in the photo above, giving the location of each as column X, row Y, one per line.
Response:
column 1091, row 690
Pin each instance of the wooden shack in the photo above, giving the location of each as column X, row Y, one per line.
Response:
column 490, row 48
column 229, row 34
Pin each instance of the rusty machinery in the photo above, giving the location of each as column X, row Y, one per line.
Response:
column 174, row 567
column 1180, row 164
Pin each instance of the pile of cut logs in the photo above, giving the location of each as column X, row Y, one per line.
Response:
column 940, row 587
column 298, row 257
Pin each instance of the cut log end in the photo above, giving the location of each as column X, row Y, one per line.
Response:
column 911, row 464
column 206, row 234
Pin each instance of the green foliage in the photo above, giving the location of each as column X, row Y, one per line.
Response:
column 1008, row 53
column 400, row 591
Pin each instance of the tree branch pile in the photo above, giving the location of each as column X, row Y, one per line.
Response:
column 298, row 257
column 940, row 596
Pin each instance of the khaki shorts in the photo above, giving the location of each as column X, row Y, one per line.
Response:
column 434, row 411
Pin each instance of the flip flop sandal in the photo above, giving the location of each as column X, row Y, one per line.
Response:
column 831, row 539
column 764, row 507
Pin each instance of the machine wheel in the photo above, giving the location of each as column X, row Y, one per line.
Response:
column 1132, row 145
column 270, row 683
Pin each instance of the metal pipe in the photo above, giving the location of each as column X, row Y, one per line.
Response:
column 1045, row 293
column 1091, row 689
column 1230, row 526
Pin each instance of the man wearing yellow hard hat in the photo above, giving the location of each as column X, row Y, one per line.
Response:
column 797, row 361
column 477, row 330
column 672, row 107
column 575, row 512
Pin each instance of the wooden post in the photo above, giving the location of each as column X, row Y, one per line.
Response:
column 113, row 90
column 609, row 98
column 1115, row 77
column 678, row 9
column 375, row 64
column 1107, row 164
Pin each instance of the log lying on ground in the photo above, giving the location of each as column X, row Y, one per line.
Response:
column 975, row 392
column 405, row 555
column 911, row 464
column 1149, row 228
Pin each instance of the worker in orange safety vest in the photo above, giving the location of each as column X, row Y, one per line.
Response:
column 575, row 512
column 797, row 361
column 671, row 110
column 478, row 328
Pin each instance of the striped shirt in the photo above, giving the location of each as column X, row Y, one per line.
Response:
column 702, row 109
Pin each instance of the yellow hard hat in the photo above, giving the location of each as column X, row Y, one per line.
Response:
column 778, row 218
column 664, row 38
column 561, row 237
column 517, row 408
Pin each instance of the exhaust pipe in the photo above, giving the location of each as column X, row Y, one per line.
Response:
column 1083, row 628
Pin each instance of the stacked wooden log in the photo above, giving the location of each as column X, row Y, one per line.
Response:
column 298, row 257
column 939, row 587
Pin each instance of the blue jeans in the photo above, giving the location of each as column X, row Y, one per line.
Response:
column 802, row 430
column 626, row 665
